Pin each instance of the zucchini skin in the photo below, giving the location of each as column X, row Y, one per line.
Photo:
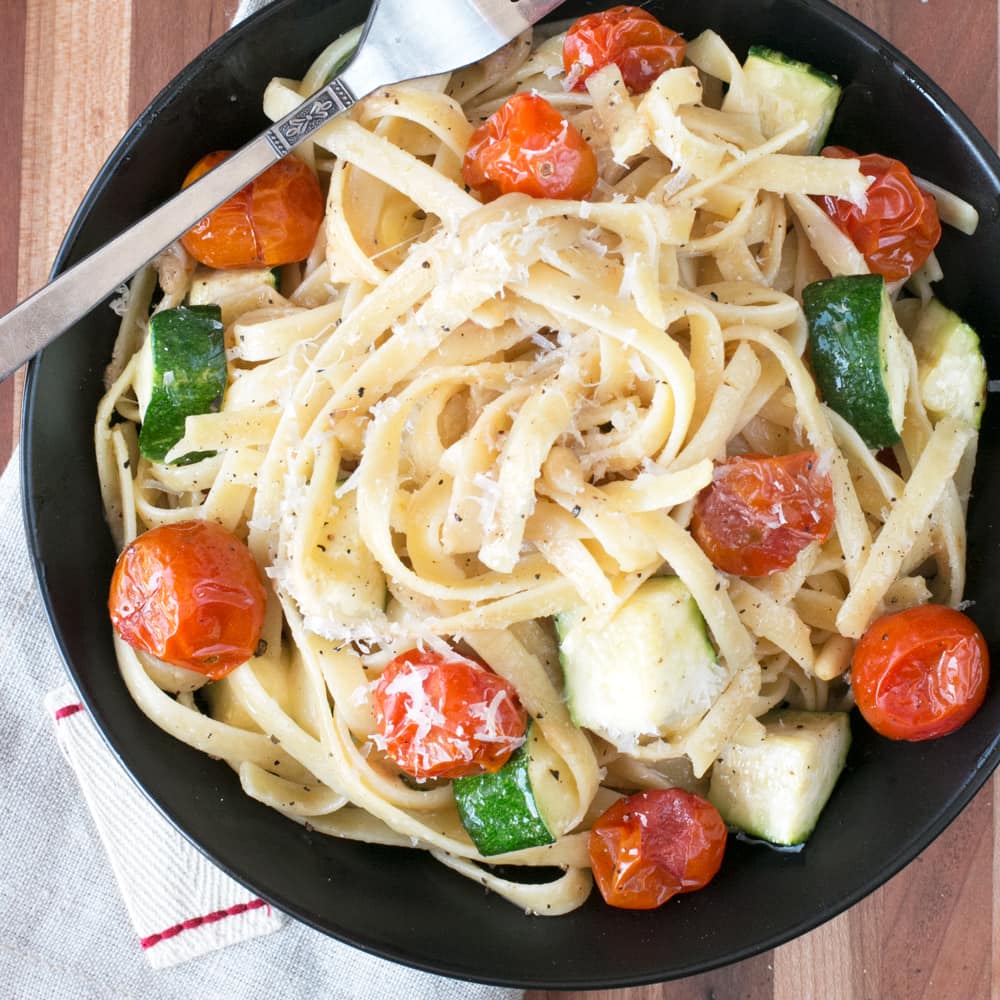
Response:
column 190, row 376
column 499, row 811
column 780, row 59
column 845, row 316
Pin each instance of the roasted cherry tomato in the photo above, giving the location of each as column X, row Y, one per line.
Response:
column 633, row 39
column 273, row 220
column 759, row 512
column 441, row 717
column 900, row 227
column 654, row 845
column 528, row 147
column 190, row 594
column 920, row 673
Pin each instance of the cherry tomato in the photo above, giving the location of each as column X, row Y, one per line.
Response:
column 446, row 718
column 190, row 594
column 760, row 511
column 633, row 39
column 920, row 673
column 900, row 227
column 654, row 845
column 273, row 220
column 528, row 147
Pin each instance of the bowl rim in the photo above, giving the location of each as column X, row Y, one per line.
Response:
column 914, row 845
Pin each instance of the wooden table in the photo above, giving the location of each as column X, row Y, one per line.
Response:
column 75, row 73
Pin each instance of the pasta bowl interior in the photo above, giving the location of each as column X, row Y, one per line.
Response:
column 588, row 282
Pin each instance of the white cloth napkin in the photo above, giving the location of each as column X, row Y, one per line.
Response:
column 180, row 904
column 64, row 931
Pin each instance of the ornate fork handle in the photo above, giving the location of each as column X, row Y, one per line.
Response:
column 334, row 99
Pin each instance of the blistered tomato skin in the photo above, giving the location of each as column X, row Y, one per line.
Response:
column 760, row 512
column 920, row 673
column 654, row 845
column 440, row 717
column 272, row 221
column 189, row 594
column 527, row 147
column 630, row 37
column 899, row 228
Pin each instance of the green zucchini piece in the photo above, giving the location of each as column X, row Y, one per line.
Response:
column 522, row 805
column 235, row 292
column 791, row 91
column 188, row 375
column 341, row 64
column 951, row 369
column 777, row 788
column 335, row 57
column 856, row 349
column 648, row 671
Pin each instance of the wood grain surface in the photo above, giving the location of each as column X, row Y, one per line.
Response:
column 74, row 73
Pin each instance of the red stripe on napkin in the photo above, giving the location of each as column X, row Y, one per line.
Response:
column 209, row 918
column 66, row 711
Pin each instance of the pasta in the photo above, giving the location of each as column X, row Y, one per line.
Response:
column 457, row 420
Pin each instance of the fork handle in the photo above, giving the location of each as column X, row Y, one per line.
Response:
column 328, row 102
column 366, row 72
column 41, row 318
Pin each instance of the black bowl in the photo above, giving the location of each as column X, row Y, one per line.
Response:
column 893, row 800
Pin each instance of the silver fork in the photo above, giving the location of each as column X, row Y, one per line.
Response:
column 402, row 40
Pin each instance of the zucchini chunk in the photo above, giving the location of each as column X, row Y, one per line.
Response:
column 524, row 804
column 648, row 671
column 951, row 370
column 235, row 292
column 776, row 789
column 790, row 91
column 856, row 349
column 187, row 375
